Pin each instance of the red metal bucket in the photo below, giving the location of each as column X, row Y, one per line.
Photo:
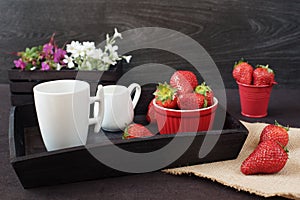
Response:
column 254, row 99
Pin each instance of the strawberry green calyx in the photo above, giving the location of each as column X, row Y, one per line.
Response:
column 125, row 134
column 242, row 60
column 265, row 67
column 283, row 147
column 284, row 127
column 286, row 149
column 205, row 103
column 202, row 89
column 165, row 92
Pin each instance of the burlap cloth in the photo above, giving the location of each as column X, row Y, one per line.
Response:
column 286, row 183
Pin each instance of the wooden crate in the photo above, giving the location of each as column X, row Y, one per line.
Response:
column 22, row 82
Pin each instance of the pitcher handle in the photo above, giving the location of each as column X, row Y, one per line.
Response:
column 137, row 94
column 98, row 101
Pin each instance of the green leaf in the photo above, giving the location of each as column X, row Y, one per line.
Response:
column 285, row 127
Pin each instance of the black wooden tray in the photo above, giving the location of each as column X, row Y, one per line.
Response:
column 37, row 167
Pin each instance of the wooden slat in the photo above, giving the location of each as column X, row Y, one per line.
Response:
column 263, row 33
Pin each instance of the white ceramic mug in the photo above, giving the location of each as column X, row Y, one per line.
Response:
column 63, row 111
column 118, row 106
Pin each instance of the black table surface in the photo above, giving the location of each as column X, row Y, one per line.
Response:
column 155, row 185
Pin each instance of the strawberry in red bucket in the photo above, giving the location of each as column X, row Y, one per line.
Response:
column 243, row 72
column 255, row 87
column 263, row 75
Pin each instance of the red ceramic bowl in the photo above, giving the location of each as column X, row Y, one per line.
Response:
column 171, row 121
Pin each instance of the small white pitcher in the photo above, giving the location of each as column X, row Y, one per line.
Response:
column 118, row 106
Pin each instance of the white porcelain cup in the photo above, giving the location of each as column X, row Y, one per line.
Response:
column 63, row 111
column 118, row 106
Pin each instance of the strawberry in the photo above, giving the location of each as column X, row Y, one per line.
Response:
column 242, row 72
column 207, row 92
column 136, row 131
column 275, row 132
column 184, row 81
column 165, row 96
column 191, row 101
column 268, row 157
column 263, row 75
column 150, row 117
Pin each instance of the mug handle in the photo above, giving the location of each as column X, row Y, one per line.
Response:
column 98, row 101
column 137, row 94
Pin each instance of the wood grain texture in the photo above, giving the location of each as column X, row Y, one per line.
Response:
column 260, row 31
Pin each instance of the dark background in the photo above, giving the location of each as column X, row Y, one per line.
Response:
column 261, row 31
column 264, row 32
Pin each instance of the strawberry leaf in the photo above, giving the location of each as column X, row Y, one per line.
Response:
column 285, row 127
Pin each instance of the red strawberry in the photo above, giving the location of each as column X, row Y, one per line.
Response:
column 242, row 72
column 268, row 157
column 184, row 81
column 165, row 96
column 151, row 118
column 136, row 131
column 191, row 101
column 275, row 132
column 263, row 75
column 207, row 92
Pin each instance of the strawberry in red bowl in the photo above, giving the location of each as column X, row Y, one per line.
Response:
column 184, row 105
column 184, row 81
column 172, row 121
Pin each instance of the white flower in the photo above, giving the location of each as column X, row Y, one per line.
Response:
column 71, row 48
column 86, row 65
column 58, row 66
column 107, row 38
column 127, row 58
column 76, row 49
column 111, row 48
column 88, row 46
column 107, row 60
column 69, row 60
column 114, row 55
column 86, row 56
column 78, row 52
column 117, row 34
column 95, row 54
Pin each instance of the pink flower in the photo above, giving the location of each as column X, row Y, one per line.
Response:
column 59, row 54
column 45, row 66
column 48, row 49
column 20, row 64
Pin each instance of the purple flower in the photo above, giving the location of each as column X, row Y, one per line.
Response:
column 20, row 64
column 48, row 49
column 58, row 55
column 45, row 66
